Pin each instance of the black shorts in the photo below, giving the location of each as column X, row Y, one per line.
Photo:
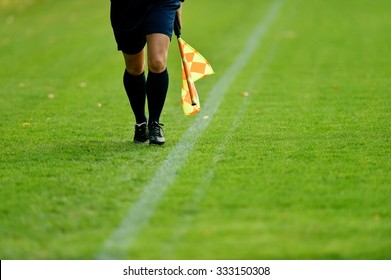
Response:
column 133, row 20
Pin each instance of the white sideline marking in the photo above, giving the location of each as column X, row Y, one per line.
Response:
column 119, row 243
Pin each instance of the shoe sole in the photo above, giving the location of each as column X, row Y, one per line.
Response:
column 156, row 143
column 140, row 142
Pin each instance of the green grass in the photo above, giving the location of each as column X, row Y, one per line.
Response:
column 299, row 169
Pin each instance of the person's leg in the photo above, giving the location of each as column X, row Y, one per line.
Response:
column 134, row 63
column 127, row 19
column 158, row 27
column 157, row 83
column 135, row 84
column 158, row 79
column 135, row 87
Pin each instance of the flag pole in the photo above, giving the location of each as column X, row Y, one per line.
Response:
column 177, row 31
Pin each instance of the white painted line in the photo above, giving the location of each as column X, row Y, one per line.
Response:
column 117, row 246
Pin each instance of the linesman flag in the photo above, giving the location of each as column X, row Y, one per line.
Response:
column 194, row 67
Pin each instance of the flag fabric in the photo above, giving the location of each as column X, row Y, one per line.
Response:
column 194, row 67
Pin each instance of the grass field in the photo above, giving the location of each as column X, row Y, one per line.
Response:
column 298, row 169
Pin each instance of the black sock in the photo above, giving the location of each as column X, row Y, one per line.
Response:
column 135, row 89
column 157, row 86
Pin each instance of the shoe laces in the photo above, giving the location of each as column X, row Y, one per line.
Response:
column 155, row 126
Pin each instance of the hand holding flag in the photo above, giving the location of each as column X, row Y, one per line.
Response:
column 194, row 67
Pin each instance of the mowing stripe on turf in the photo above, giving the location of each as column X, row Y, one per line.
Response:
column 118, row 244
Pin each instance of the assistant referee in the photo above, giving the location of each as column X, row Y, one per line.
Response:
column 137, row 23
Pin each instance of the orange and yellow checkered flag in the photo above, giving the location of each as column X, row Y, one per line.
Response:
column 194, row 67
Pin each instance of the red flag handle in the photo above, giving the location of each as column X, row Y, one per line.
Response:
column 187, row 74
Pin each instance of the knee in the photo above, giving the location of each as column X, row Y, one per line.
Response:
column 135, row 69
column 135, row 64
column 157, row 65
